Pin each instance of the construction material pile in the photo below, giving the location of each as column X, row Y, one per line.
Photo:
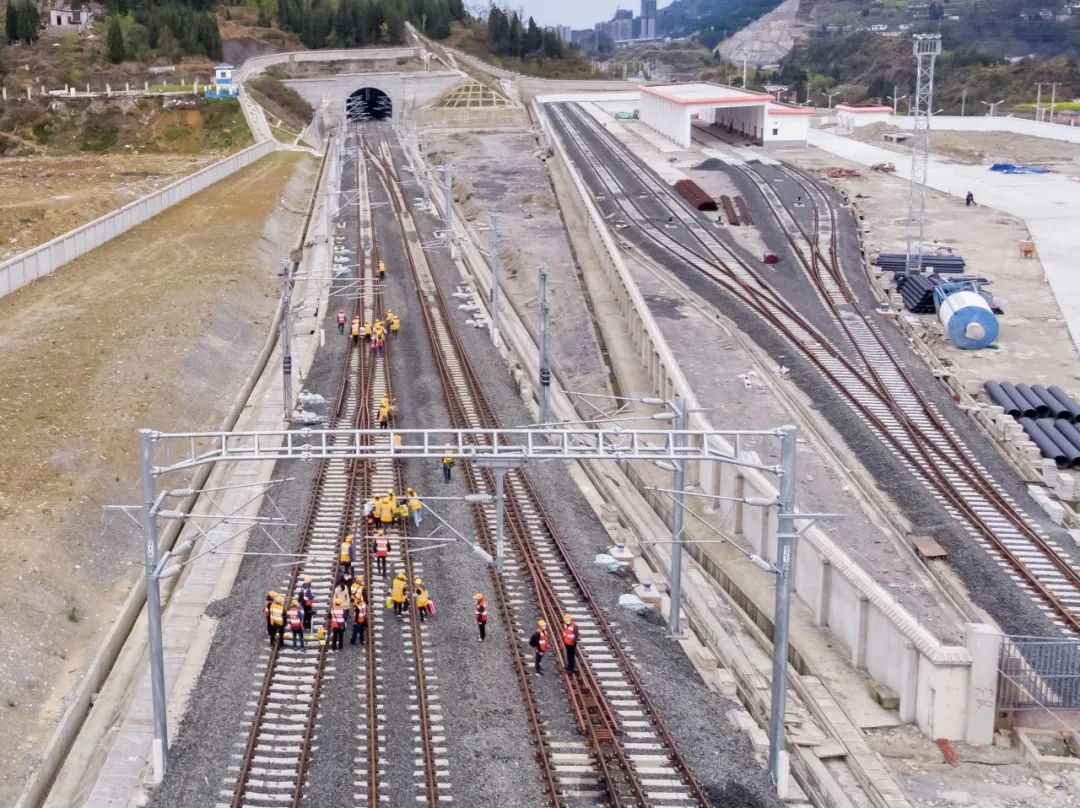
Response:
column 1048, row 415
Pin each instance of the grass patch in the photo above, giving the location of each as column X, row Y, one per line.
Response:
column 172, row 88
column 1060, row 106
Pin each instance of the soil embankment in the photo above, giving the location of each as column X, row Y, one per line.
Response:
column 158, row 328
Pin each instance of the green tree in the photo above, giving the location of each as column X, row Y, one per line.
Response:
column 11, row 23
column 114, row 39
column 533, row 39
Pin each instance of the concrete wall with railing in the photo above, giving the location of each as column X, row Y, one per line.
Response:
column 43, row 260
column 941, row 686
column 1065, row 131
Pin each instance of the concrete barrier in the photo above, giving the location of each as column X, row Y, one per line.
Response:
column 1019, row 126
column 940, row 687
column 44, row 259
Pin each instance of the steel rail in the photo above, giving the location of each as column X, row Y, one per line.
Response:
column 271, row 665
column 542, row 750
column 483, row 481
column 591, row 707
column 431, row 783
column 978, row 482
column 928, row 467
column 362, row 469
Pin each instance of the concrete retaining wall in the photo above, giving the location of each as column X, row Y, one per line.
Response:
column 1019, row 126
column 43, row 260
column 934, row 680
column 258, row 64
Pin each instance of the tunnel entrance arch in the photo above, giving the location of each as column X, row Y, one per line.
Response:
column 369, row 104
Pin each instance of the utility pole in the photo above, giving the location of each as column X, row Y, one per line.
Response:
column 679, row 425
column 993, row 105
column 1053, row 99
column 926, row 48
column 896, row 99
column 494, row 248
column 545, row 368
column 744, row 72
column 963, row 101
column 286, row 338
column 830, row 95
column 159, row 751
column 448, row 203
column 500, row 517
column 785, row 538
column 499, row 466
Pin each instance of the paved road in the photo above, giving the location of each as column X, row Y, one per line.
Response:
column 1046, row 202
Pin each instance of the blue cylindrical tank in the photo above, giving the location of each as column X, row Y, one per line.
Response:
column 968, row 320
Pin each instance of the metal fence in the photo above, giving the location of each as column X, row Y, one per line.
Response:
column 1037, row 673
column 44, row 259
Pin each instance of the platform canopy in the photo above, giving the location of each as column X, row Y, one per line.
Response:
column 673, row 110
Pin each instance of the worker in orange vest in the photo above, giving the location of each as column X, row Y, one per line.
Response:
column 296, row 623
column 382, row 550
column 341, row 321
column 354, row 330
column 481, row 615
column 345, row 558
column 337, row 627
column 570, row 641
column 277, row 619
column 539, row 642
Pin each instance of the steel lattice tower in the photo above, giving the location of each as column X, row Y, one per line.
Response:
column 926, row 48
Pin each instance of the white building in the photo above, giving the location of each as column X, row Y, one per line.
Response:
column 63, row 21
column 564, row 32
column 849, row 116
column 674, row 109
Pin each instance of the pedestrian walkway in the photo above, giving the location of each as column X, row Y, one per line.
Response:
column 1046, row 202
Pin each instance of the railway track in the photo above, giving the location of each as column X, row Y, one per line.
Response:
column 431, row 776
column 283, row 721
column 269, row 764
column 621, row 753
column 868, row 374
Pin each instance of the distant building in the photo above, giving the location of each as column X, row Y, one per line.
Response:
column 647, row 25
column 222, row 85
column 62, row 21
column 621, row 30
column 623, row 14
column 564, row 33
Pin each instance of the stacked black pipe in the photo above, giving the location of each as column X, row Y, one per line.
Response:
column 1048, row 415
column 897, row 262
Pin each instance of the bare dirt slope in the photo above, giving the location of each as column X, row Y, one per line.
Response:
column 45, row 197
column 157, row 328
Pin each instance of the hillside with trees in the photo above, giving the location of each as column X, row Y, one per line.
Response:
column 864, row 66
column 711, row 20
column 352, row 23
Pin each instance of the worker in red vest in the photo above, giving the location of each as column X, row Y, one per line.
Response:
column 341, row 321
column 296, row 623
column 481, row 615
column 337, row 627
column 539, row 642
column 382, row 549
column 570, row 641
column 359, row 626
